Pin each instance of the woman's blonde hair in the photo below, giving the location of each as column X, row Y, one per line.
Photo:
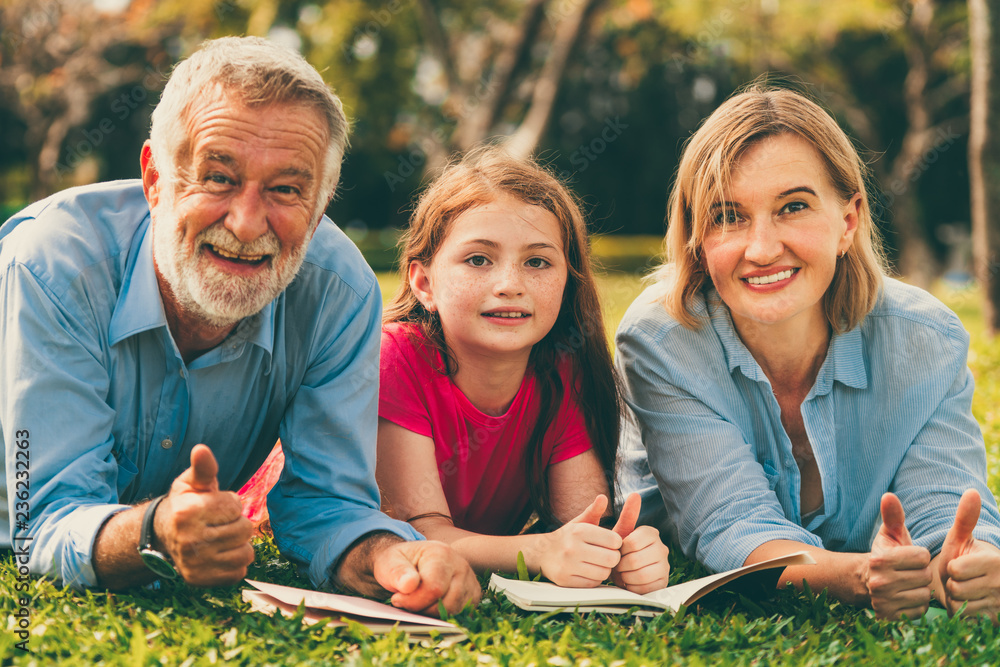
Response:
column 757, row 112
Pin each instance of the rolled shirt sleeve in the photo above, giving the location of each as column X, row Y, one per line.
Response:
column 890, row 410
column 718, row 499
column 93, row 383
column 327, row 498
column 55, row 397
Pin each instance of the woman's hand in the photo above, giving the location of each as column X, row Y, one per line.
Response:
column 899, row 573
column 643, row 567
column 580, row 554
column 969, row 568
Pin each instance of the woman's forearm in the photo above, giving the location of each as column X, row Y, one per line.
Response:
column 845, row 575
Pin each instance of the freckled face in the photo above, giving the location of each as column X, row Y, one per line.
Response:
column 771, row 248
column 497, row 280
column 230, row 233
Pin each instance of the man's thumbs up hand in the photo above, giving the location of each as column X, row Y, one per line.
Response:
column 203, row 529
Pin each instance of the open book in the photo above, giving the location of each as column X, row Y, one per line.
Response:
column 543, row 596
column 338, row 609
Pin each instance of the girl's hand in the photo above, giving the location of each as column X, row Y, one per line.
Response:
column 643, row 567
column 581, row 554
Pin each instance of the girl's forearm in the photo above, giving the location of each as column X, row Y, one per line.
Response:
column 486, row 553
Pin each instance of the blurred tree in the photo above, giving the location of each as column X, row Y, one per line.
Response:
column 984, row 152
column 893, row 71
column 58, row 60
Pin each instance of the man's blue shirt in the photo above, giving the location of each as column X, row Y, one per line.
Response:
column 91, row 380
column 890, row 410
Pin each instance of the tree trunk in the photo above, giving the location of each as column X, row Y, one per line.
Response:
column 525, row 139
column 916, row 260
column 984, row 153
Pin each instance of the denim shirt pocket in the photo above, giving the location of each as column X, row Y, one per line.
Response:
column 771, row 473
column 126, row 473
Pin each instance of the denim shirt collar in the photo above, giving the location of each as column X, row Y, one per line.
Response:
column 845, row 358
column 140, row 306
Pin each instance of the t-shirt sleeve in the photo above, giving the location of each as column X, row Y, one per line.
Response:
column 570, row 427
column 406, row 381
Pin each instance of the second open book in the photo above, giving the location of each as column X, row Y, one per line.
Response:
column 543, row 596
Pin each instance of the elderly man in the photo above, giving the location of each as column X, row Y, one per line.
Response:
column 211, row 303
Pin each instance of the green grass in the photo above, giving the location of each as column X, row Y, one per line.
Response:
column 185, row 626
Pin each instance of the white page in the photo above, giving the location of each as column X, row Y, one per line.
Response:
column 345, row 604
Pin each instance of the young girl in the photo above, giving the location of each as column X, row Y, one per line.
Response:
column 498, row 396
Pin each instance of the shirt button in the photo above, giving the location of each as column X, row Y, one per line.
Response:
column 181, row 372
column 167, row 443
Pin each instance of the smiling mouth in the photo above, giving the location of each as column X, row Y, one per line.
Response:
column 773, row 278
column 508, row 316
column 252, row 260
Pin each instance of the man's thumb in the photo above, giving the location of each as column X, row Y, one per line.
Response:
column 894, row 520
column 966, row 517
column 395, row 572
column 629, row 515
column 201, row 476
column 594, row 512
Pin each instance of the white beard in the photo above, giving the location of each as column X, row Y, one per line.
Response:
column 210, row 294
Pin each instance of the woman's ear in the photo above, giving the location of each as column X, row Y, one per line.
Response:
column 852, row 214
column 420, row 284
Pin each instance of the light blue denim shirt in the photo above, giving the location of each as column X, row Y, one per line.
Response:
column 91, row 380
column 890, row 411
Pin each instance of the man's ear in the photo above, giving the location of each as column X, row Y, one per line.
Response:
column 150, row 176
column 420, row 285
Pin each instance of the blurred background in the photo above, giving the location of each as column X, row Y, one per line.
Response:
column 604, row 91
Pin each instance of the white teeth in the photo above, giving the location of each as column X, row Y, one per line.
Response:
column 508, row 315
column 773, row 278
column 233, row 255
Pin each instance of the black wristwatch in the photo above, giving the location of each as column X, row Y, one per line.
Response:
column 156, row 561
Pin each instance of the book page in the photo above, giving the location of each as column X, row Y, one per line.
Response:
column 346, row 604
column 544, row 596
column 690, row 591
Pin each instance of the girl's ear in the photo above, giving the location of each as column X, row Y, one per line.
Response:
column 420, row 285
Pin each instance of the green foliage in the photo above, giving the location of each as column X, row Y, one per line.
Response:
column 179, row 625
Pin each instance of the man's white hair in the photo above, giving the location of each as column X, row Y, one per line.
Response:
column 256, row 73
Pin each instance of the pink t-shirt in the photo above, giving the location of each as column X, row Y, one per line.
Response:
column 479, row 456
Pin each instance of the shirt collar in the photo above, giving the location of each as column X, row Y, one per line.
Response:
column 140, row 306
column 844, row 363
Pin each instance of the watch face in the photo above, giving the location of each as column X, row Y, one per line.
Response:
column 156, row 562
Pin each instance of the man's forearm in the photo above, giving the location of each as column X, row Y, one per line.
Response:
column 356, row 570
column 843, row 574
column 116, row 555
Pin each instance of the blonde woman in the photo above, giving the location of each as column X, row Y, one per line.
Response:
column 788, row 395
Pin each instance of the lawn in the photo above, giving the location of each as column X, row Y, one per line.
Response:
column 183, row 626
